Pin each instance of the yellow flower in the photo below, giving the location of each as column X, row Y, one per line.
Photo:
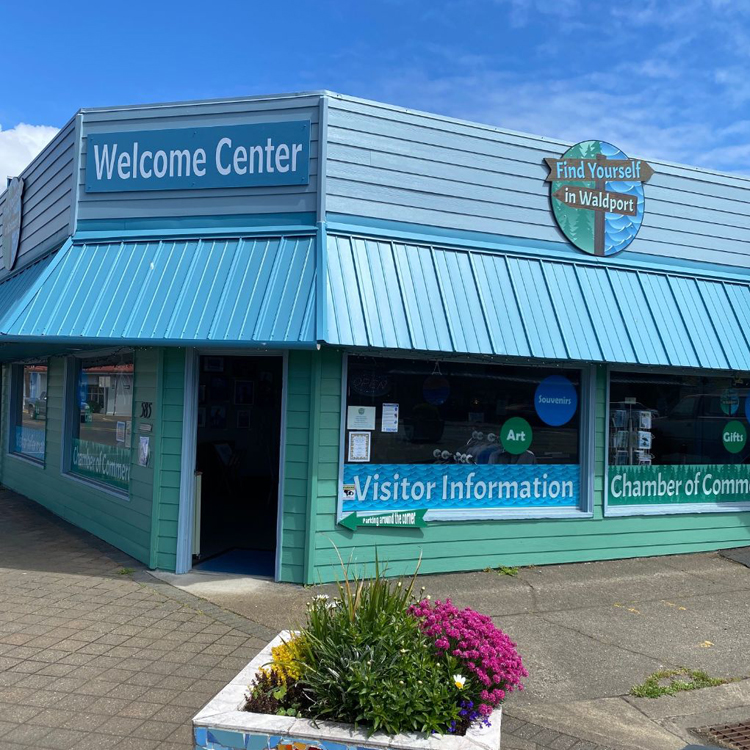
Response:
column 459, row 681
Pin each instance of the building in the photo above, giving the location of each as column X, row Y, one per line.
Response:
column 269, row 331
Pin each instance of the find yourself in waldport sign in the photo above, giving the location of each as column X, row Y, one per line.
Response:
column 597, row 196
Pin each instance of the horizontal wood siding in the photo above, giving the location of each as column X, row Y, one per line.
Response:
column 124, row 522
column 47, row 198
column 168, row 501
column 296, row 466
column 385, row 163
column 460, row 546
column 213, row 202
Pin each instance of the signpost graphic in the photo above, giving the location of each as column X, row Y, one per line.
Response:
column 597, row 196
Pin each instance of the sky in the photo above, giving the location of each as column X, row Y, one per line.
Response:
column 660, row 79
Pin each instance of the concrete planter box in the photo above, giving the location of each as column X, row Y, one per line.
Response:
column 223, row 725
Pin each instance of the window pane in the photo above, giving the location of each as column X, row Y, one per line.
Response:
column 102, row 432
column 475, row 438
column 450, row 412
column 663, row 420
column 31, row 411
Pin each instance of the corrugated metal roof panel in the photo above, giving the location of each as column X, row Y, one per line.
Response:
column 386, row 294
column 228, row 291
column 14, row 288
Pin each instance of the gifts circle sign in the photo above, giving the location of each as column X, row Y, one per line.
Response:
column 597, row 196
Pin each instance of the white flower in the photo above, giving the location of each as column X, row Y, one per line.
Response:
column 332, row 604
column 321, row 598
column 459, row 681
column 403, row 650
column 398, row 585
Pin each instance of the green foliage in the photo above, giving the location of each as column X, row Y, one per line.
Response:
column 126, row 571
column 369, row 664
column 270, row 694
column 672, row 681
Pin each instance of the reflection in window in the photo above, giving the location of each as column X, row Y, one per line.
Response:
column 657, row 419
column 102, row 431
column 30, row 410
column 423, row 412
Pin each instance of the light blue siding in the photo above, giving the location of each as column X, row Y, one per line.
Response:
column 399, row 165
column 124, row 207
column 47, row 198
column 390, row 295
column 202, row 291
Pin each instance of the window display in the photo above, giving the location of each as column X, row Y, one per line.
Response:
column 29, row 422
column 102, row 430
column 678, row 439
column 455, row 436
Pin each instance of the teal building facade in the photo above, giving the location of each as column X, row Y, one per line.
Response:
column 250, row 335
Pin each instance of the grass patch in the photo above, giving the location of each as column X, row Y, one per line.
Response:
column 503, row 570
column 673, row 681
column 126, row 571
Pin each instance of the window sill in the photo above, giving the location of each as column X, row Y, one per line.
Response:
column 99, row 486
column 26, row 459
column 670, row 510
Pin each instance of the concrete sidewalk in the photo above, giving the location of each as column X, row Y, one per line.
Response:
column 95, row 652
column 588, row 633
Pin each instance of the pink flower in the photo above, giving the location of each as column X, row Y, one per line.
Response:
column 484, row 650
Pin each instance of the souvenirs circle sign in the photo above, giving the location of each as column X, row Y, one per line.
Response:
column 597, row 196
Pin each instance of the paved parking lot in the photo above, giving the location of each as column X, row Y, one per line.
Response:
column 95, row 653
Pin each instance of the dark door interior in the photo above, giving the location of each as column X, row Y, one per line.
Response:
column 239, row 430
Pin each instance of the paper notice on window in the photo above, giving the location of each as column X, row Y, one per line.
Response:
column 389, row 421
column 360, row 418
column 120, row 434
column 144, row 450
column 359, row 447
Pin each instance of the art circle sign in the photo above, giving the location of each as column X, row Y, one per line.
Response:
column 516, row 435
column 12, row 210
column 597, row 196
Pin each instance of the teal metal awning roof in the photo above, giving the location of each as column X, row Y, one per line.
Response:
column 198, row 292
column 392, row 295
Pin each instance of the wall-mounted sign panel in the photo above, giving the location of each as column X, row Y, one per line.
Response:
column 12, row 213
column 597, row 196
column 234, row 156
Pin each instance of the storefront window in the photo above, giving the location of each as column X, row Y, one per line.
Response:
column 678, row 439
column 29, row 410
column 447, row 435
column 103, row 407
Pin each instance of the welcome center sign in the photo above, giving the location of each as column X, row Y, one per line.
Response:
column 253, row 155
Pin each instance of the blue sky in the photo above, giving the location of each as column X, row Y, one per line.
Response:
column 665, row 79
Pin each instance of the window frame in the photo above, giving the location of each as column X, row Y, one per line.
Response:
column 15, row 398
column 616, row 511
column 71, row 413
column 587, row 429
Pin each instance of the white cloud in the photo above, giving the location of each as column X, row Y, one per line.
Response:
column 19, row 145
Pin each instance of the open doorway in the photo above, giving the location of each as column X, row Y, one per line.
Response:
column 237, row 458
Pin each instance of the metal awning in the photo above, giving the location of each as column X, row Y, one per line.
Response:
column 392, row 295
column 188, row 292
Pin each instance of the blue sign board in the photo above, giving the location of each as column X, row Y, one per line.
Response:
column 232, row 156
column 555, row 400
column 375, row 487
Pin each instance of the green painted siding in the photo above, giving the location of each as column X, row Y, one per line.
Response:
column 296, row 464
column 477, row 545
column 169, row 439
column 123, row 521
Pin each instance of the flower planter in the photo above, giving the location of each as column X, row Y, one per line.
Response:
column 223, row 725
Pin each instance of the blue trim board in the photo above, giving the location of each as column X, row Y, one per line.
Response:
column 301, row 219
column 426, row 234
